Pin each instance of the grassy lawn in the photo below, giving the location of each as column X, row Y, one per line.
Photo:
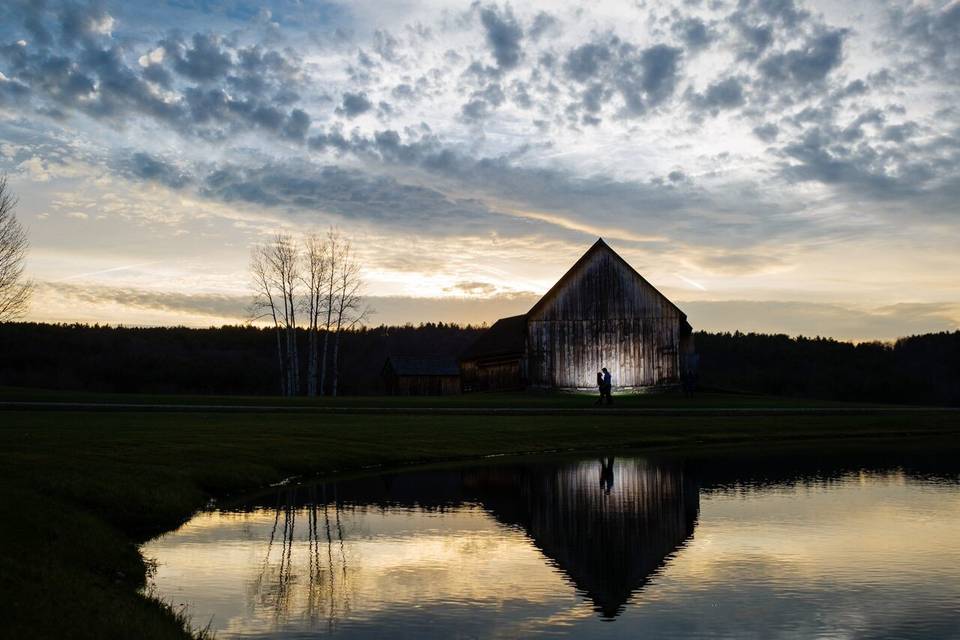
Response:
column 81, row 489
column 473, row 400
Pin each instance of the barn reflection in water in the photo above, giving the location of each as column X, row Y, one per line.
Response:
column 608, row 525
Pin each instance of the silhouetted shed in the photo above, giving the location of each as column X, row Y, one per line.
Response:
column 601, row 313
column 421, row 376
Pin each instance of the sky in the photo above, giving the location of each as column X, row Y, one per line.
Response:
column 769, row 165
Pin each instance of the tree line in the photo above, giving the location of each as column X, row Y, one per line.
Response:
column 230, row 360
column 922, row 369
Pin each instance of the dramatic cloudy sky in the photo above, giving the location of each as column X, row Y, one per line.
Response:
column 771, row 165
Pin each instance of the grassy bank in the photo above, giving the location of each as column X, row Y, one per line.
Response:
column 81, row 489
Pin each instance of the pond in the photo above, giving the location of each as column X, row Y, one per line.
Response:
column 791, row 544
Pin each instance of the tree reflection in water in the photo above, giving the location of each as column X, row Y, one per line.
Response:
column 607, row 538
column 327, row 595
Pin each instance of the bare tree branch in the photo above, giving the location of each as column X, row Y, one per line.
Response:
column 14, row 289
column 317, row 253
column 275, row 270
column 349, row 303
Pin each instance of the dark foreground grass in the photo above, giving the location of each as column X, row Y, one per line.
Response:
column 472, row 400
column 80, row 490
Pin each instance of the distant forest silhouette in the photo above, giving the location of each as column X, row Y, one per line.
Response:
column 922, row 369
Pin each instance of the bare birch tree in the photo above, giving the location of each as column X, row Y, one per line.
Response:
column 317, row 255
column 335, row 245
column 14, row 290
column 265, row 301
column 349, row 310
column 276, row 278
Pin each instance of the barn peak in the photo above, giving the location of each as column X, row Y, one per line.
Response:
column 577, row 269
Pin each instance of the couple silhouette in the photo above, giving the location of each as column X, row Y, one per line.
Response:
column 605, row 384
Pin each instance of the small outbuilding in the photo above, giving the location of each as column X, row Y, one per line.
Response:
column 421, row 376
column 601, row 313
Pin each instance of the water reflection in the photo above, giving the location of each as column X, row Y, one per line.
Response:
column 796, row 546
column 607, row 538
column 326, row 594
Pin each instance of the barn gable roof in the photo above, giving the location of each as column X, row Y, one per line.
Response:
column 506, row 337
column 598, row 246
column 422, row 366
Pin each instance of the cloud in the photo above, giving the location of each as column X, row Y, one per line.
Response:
column 543, row 23
column 82, row 22
column 755, row 39
column 723, row 94
column 593, row 200
column 483, row 102
column 143, row 165
column 811, row 63
column 204, row 309
column 472, row 288
column 657, row 77
column 209, row 86
column 643, row 78
column 303, row 189
column 203, row 60
column 503, row 35
column 767, row 132
column 822, row 319
column 475, row 310
column 583, row 63
column 785, row 11
column 932, row 31
column 354, row 104
column 215, row 306
column 694, row 33
column 868, row 167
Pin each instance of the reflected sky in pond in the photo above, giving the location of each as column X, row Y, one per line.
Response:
column 608, row 546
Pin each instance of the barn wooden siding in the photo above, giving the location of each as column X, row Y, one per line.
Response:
column 603, row 314
column 497, row 360
column 421, row 376
column 492, row 374
column 423, row 385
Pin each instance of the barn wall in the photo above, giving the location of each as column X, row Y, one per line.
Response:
column 501, row 374
column 604, row 315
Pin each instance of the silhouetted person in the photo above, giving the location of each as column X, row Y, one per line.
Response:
column 607, row 387
column 599, row 388
column 606, row 474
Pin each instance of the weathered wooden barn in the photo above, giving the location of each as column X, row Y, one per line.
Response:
column 601, row 313
column 419, row 376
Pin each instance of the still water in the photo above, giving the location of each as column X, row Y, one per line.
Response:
column 796, row 545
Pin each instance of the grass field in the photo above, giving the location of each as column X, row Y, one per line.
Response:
column 472, row 400
column 81, row 489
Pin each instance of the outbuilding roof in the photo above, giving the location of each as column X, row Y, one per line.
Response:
column 506, row 337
